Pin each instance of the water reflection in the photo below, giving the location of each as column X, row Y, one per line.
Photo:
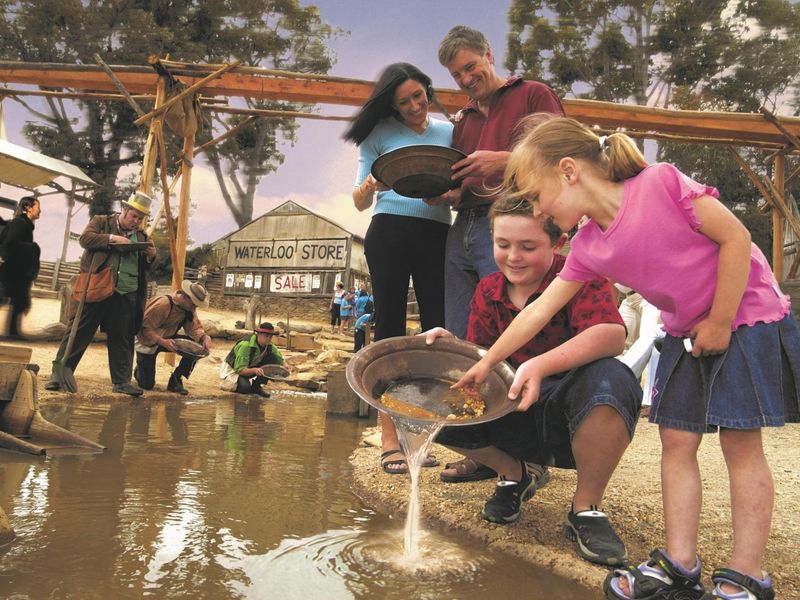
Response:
column 220, row 499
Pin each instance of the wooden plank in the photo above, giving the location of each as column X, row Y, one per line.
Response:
column 15, row 354
column 744, row 127
column 73, row 95
column 278, row 114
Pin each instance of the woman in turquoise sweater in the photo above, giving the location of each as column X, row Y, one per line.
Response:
column 406, row 237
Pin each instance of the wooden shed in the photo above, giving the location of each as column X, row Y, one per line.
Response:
column 290, row 251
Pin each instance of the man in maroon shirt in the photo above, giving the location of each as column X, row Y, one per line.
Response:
column 485, row 131
column 586, row 412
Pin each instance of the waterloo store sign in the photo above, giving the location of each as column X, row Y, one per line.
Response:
column 308, row 253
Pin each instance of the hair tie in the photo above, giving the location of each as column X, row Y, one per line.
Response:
column 602, row 139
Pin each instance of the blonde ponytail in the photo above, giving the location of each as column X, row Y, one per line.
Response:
column 549, row 141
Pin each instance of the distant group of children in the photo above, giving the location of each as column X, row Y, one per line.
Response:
column 347, row 307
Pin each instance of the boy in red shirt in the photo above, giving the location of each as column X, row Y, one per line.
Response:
column 585, row 416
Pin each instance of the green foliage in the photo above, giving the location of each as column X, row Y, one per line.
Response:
column 100, row 136
column 686, row 54
column 202, row 255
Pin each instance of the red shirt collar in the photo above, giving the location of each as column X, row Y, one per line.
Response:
column 511, row 81
column 500, row 292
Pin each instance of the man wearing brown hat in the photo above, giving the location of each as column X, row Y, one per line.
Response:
column 242, row 370
column 106, row 242
column 164, row 316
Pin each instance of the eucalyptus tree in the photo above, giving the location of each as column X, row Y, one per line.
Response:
column 724, row 55
column 100, row 136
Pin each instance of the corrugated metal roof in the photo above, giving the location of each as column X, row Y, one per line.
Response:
column 28, row 169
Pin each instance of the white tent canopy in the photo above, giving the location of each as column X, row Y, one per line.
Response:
column 28, row 169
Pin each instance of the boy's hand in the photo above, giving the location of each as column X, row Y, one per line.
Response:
column 436, row 332
column 711, row 337
column 527, row 381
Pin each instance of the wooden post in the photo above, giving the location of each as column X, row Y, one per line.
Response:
column 347, row 270
column 151, row 146
column 182, row 234
column 162, row 155
column 65, row 244
column 778, row 222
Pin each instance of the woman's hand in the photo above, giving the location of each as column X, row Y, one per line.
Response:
column 711, row 337
column 377, row 186
column 433, row 334
column 527, row 381
column 362, row 194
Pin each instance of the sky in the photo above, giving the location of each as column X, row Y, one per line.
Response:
column 320, row 169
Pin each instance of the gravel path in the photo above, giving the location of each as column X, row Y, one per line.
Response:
column 633, row 503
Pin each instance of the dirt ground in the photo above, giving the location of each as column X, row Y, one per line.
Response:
column 633, row 499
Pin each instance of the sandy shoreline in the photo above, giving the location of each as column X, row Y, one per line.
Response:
column 633, row 500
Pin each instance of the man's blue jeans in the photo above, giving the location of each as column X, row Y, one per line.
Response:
column 469, row 257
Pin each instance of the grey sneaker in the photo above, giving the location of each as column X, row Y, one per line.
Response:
column 595, row 538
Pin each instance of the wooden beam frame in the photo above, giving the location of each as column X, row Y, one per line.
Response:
column 118, row 84
column 188, row 91
column 746, row 128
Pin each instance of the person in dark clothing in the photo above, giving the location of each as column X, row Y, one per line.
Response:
column 20, row 262
column 120, row 314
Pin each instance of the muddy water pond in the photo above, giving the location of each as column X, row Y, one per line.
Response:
column 225, row 499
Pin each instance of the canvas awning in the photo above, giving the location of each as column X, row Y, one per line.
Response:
column 29, row 169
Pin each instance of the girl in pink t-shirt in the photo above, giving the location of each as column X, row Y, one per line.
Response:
column 731, row 358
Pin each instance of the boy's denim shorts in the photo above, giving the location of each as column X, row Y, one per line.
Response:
column 543, row 434
column 753, row 384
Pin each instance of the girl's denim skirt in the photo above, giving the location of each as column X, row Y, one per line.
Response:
column 753, row 384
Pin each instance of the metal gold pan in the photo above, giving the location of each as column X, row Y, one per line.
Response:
column 421, row 171
column 420, row 376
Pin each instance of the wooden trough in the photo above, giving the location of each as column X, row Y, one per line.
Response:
column 22, row 426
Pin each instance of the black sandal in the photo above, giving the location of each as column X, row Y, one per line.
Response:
column 656, row 578
column 386, row 464
column 759, row 590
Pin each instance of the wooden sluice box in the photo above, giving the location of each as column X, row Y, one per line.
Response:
column 22, row 426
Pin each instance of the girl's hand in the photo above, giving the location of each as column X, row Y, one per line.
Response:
column 711, row 337
column 528, row 381
column 475, row 376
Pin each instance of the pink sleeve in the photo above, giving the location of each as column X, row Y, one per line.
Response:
column 684, row 191
column 574, row 269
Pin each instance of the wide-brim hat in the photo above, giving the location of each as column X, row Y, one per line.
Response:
column 197, row 292
column 139, row 201
column 266, row 328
